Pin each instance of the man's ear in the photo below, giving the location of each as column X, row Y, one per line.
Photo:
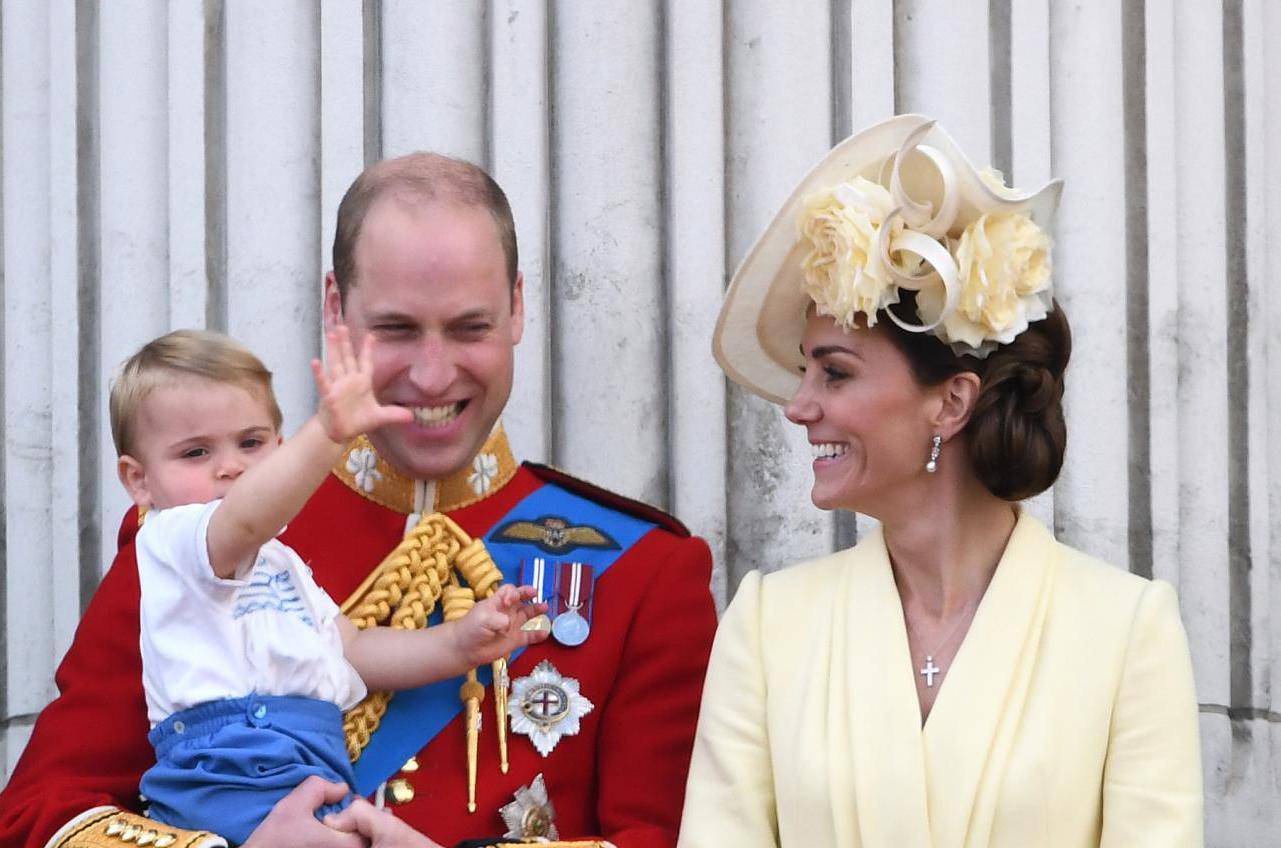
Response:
column 518, row 308
column 332, row 306
column 134, row 478
column 957, row 396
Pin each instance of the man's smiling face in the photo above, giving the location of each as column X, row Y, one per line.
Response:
column 431, row 289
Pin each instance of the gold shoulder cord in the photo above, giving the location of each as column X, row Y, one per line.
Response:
column 402, row 592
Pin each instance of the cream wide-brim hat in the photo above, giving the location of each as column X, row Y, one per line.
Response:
column 758, row 334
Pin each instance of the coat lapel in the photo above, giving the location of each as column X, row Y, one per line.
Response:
column 971, row 727
column 871, row 683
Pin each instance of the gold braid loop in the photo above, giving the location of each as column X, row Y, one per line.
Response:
column 360, row 722
column 424, row 588
column 477, row 567
column 458, row 600
column 402, row 592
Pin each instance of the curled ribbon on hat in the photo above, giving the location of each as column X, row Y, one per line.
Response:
column 989, row 259
column 939, row 259
column 917, row 214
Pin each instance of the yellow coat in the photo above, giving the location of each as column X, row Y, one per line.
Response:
column 1068, row 717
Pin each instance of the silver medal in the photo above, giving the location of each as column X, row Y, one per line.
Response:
column 570, row 628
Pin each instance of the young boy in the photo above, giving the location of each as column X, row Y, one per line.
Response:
column 247, row 663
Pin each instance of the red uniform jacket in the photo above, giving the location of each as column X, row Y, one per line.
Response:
column 622, row 777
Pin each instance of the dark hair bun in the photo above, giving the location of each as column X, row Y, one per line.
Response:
column 1016, row 433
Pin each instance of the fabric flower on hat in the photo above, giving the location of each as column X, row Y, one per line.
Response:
column 844, row 273
column 1004, row 265
column 971, row 247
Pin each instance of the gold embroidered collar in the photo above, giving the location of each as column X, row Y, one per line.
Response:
column 370, row 476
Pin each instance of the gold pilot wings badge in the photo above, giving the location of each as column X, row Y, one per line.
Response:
column 555, row 535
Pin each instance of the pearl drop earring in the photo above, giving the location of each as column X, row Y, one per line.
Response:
column 936, row 444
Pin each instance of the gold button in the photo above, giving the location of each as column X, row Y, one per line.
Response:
column 116, row 827
column 400, row 791
column 130, row 833
column 147, row 837
column 410, row 766
column 165, row 840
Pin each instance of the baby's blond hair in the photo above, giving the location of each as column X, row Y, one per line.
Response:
column 196, row 353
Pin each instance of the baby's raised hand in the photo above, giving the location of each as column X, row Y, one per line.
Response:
column 493, row 627
column 347, row 406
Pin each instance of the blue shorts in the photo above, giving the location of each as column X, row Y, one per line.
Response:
column 222, row 766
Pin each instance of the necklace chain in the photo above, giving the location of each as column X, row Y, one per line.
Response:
column 930, row 669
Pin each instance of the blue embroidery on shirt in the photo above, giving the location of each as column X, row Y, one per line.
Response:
column 270, row 591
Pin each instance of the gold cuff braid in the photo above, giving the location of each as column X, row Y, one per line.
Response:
column 112, row 828
column 404, row 590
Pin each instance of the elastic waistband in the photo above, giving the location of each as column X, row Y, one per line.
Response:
column 308, row 715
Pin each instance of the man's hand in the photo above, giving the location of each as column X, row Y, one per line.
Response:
column 380, row 827
column 492, row 628
column 292, row 822
column 347, row 404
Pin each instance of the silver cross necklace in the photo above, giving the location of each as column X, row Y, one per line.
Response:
column 930, row 670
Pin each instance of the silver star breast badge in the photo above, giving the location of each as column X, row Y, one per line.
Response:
column 546, row 706
column 531, row 815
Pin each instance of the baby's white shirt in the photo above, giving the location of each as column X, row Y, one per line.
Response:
column 269, row 631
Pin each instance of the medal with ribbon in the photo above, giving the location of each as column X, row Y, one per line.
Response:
column 539, row 574
column 573, row 620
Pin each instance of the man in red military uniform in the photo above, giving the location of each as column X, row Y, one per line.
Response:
column 603, row 717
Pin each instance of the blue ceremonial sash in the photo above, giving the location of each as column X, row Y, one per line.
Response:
column 415, row 716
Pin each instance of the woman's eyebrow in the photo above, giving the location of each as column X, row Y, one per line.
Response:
column 828, row 350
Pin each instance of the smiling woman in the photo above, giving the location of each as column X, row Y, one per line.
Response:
column 959, row 678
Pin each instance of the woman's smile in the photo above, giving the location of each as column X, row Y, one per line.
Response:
column 827, row 453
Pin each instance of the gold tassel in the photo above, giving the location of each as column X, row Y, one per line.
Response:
column 480, row 572
column 501, row 685
column 458, row 600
